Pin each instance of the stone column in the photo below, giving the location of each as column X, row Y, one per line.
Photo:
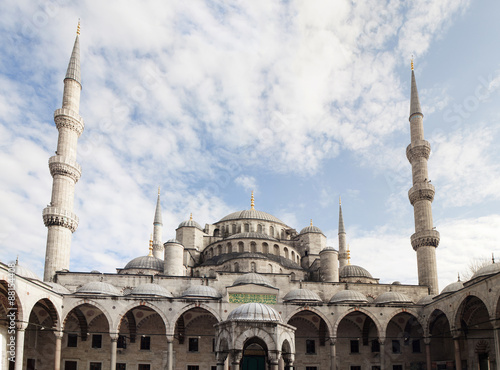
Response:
column 458, row 360
column 221, row 360
column 20, row 331
column 57, row 354
column 382, row 353
column 236, row 356
column 114, row 342
column 170, row 351
column 428, row 361
column 333, row 353
column 496, row 334
column 273, row 364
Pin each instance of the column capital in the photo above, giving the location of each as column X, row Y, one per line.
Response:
column 427, row 341
column 381, row 340
column 114, row 336
column 333, row 341
column 58, row 334
column 21, row 325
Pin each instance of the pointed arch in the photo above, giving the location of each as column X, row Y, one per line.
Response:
column 125, row 310
column 81, row 302
column 171, row 326
column 380, row 330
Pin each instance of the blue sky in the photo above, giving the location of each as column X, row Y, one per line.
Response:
column 301, row 102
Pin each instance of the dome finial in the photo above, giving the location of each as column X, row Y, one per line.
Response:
column 159, row 189
column 311, row 221
column 78, row 27
column 191, row 216
column 252, row 202
column 348, row 255
column 340, row 201
column 492, row 258
column 150, row 254
column 459, row 276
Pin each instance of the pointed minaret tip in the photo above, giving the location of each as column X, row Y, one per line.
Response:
column 252, row 202
column 414, row 100
column 78, row 27
column 73, row 71
column 341, row 219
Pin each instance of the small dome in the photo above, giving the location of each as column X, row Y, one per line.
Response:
column 301, row 295
column 173, row 241
column 190, row 223
column 255, row 312
column 25, row 272
column 311, row 229
column 98, row 287
column 487, row 270
column 151, row 290
column 251, row 236
column 348, row 296
column 328, row 249
column 453, row 287
column 201, row 292
column 145, row 263
column 252, row 214
column 58, row 288
column 396, row 283
column 392, row 297
column 354, row 271
column 252, row 278
column 426, row 299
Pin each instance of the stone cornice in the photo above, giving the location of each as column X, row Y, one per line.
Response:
column 425, row 238
column 421, row 191
column 54, row 216
column 60, row 165
column 420, row 149
column 66, row 118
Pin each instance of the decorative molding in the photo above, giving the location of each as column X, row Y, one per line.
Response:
column 54, row 216
column 422, row 148
column 66, row 118
column 425, row 238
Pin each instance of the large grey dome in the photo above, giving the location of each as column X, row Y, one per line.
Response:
column 252, row 214
column 201, row 292
column 253, row 278
column 487, row 270
column 301, row 295
column 190, row 223
column 392, row 297
column 251, row 236
column 58, row 288
column 145, row 263
column 98, row 287
column 255, row 312
column 354, row 271
column 348, row 296
column 453, row 287
column 150, row 289
column 25, row 272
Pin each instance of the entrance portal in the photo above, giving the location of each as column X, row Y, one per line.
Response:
column 254, row 357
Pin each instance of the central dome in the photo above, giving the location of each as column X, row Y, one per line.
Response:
column 255, row 312
column 252, row 214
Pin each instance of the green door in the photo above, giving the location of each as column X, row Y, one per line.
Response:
column 254, row 363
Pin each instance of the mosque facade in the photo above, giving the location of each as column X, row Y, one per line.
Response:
column 245, row 292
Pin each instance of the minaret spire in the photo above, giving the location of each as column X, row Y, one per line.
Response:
column 252, row 202
column 58, row 216
column 158, row 249
column 343, row 254
column 426, row 238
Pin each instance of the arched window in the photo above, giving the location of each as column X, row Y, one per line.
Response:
column 211, row 273
column 265, row 248
column 293, row 256
column 210, row 253
column 286, row 252
column 253, row 267
column 270, row 268
column 241, row 247
column 271, row 230
column 219, row 250
column 216, row 232
column 253, row 247
column 236, row 267
column 229, row 248
column 298, row 259
column 235, row 229
column 259, row 228
column 276, row 250
column 292, row 276
column 247, row 228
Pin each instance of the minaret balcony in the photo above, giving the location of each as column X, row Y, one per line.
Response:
column 425, row 238
column 60, row 165
column 421, row 148
column 54, row 216
column 421, row 191
column 67, row 118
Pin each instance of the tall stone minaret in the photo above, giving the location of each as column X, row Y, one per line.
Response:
column 58, row 216
column 158, row 249
column 342, row 241
column 426, row 238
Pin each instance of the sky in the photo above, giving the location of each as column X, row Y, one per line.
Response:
column 302, row 102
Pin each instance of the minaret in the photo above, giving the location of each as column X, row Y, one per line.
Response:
column 342, row 241
column 158, row 250
column 426, row 238
column 58, row 216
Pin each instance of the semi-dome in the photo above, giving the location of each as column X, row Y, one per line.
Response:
column 98, row 287
column 252, row 278
column 311, row 229
column 301, row 295
column 58, row 288
column 392, row 297
column 190, row 223
column 25, row 272
column 487, row 270
column 426, row 299
column 151, row 289
column 354, row 271
column 252, row 214
column 201, row 292
column 348, row 296
column 145, row 263
column 172, row 241
column 453, row 287
column 255, row 312
column 251, row 236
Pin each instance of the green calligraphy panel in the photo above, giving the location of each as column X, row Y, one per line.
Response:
column 247, row 298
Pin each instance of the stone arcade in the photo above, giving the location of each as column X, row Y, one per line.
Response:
column 247, row 291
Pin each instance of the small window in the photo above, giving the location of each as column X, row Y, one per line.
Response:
column 72, row 341
column 122, row 342
column 68, row 365
column 193, row 345
column 310, row 346
column 213, row 344
column 311, row 368
column 145, row 343
column 375, row 345
column 396, row 346
column 30, row 364
column 96, row 341
column 144, row 367
column 193, row 367
column 375, row 367
column 397, row 367
column 415, row 345
column 95, row 366
column 121, row 366
column 354, row 346
column 355, row 367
